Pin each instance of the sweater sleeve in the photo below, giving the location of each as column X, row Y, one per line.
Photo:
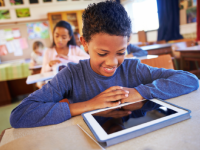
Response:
column 136, row 51
column 164, row 83
column 42, row 107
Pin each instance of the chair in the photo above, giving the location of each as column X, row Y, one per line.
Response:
column 162, row 61
column 161, row 42
column 142, row 36
column 176, row 54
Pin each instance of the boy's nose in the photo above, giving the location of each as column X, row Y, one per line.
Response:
column 112, row 61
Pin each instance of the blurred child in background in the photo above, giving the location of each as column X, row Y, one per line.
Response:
column 134, row 51
column 37, row 54
column 78, row 42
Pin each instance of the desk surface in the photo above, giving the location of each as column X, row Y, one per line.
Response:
column 39, row 77
column 184, row 135
column 190, row 49
column 155, row 46
column 35, row 67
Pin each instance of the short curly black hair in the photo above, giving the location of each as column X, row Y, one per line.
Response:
column 106, row 17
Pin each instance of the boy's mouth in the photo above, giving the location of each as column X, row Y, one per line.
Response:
column 109, row 70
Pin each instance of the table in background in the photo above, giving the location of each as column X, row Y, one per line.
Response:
column 190, row 54
column 40, row 77
column 158, row 49
column 35, row 69
column 13, row 76
column 180, row 136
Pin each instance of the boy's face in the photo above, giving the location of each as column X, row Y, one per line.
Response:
column 106, row 52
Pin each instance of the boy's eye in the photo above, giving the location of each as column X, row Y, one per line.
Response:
column 102, row 54
column 121, row 53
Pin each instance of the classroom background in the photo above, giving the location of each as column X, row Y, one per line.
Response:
column 22, row 22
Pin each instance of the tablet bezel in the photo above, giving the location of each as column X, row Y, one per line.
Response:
column 102, row 136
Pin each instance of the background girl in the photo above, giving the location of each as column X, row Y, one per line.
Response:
column 63, row 49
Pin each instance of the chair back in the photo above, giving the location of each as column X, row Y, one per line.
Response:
column 176, row 46
column 142, row 36
column 161, row 42
column 162, row 61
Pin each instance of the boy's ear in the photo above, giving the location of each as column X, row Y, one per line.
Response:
column 84, row 43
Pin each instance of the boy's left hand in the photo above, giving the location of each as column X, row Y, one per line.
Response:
column 133, row 96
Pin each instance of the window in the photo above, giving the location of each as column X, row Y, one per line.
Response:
column 143, row 14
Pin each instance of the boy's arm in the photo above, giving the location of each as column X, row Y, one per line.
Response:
column 42, row 107
column 164, row 84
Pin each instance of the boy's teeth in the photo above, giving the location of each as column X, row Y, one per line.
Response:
column 109, row 68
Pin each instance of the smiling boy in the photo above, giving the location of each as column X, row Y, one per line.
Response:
column 104, row 80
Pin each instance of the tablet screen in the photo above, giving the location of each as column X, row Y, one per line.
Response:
column 114, row 120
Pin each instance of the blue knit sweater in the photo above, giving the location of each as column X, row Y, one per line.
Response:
column 78, row 83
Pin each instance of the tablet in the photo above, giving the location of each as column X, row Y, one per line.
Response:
column 116, row 124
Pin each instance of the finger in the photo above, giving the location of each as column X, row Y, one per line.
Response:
column 124, row 100
column 113, row 88
column 112, row 104
column 116, row 97
column 116, row 92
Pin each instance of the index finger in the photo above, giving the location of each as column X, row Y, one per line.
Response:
column 113, row 88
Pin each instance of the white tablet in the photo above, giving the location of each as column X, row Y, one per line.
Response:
column 116, row 124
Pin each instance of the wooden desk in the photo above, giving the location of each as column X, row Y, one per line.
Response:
column 184, row 135
column 35, row 69
column 158, row 49
column 190, row 54
column 13, row 75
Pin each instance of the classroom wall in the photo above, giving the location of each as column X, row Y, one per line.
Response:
column 38, row 13
column 40, row 10
column 187, row 30
column 24, row 34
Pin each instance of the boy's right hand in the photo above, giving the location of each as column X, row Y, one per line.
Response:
column 53, row 62
column 109, row 98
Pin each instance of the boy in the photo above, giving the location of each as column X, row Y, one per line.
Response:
column 104, row 80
